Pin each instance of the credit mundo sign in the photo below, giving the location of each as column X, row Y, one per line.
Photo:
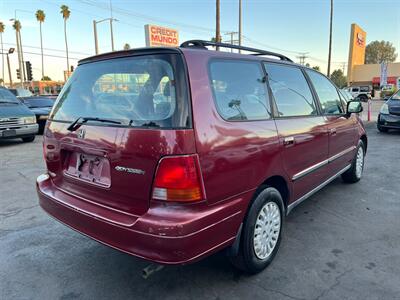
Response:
column 161, row 36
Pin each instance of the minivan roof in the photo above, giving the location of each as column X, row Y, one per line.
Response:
column 191, row 49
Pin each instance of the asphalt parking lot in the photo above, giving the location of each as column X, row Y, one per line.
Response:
column 343, row 243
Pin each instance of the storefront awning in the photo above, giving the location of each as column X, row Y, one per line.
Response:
column 390, row 80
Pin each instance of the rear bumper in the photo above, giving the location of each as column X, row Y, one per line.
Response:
column 26, row 130
column 165, row 234
column 388, row 121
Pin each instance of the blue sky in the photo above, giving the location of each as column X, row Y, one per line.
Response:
column 287, row 26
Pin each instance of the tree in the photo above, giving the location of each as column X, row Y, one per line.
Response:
column 40, row 16
column 380, row 51
column 66, row 14
column 127, row 46
column 46, row 78
column 2, row 27
column 338, row 78
column 316, row 68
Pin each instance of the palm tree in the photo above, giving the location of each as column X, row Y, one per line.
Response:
column 65, row 13
column 17, row 27
column 2, row 27
column 40, row 16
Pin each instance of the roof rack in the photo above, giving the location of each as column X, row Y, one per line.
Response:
column 202, row 44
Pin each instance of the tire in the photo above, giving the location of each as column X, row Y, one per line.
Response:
column 28, row 139
column 382, row 129
column 253, row 255
column 354, row 174
column 363, row 98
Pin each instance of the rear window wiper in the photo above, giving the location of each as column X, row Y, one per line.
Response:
column 81, row 120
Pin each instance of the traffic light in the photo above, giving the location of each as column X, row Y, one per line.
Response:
column 18, row 74
column 29, row 70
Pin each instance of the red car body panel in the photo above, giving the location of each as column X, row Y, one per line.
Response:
column 235, row 159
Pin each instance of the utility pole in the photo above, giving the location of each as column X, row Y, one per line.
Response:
column 240, row 24
column 330, row 41
column 302, row 58
column 343, row 66
column 232, row 40
column 217, row 28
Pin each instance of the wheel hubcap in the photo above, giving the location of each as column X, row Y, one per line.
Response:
column 359, row 162
column 266, row 230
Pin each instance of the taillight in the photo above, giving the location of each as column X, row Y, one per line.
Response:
column 178, row 178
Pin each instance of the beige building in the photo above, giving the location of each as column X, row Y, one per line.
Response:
column 370, row 75
column 359, row 73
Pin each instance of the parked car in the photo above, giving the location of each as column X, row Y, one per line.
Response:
column 41, row 106
column 361, row 93
column 21, row 93
column 16, row 120
column 209, row 153
column 346, row 95
column 389, row 115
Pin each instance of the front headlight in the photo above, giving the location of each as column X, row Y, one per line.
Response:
column 29, row 120
column 385, row 109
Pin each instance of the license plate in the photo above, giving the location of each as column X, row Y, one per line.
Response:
column 89, row 168
column 8, row 133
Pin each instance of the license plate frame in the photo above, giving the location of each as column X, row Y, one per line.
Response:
column 9, row 133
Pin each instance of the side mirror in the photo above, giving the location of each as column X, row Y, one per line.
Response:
column 354, row 107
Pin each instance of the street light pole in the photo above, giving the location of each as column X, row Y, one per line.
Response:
column 96, row 43
column 217, row 20
column 240, row 23
column 9, row 70
column 112, row 34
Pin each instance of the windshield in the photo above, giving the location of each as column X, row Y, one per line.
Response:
column 396, row 96
column 137, row 91
column 24, row 93
column 7, row 97
column 39, row 102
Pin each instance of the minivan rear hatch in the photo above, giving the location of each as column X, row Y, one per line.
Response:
column 113, row 121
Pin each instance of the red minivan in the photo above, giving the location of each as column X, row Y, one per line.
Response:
column 171, row 154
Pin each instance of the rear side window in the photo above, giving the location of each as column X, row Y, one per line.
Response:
column 291, row 92
column 327, row 94
column 239, row 90
column 148, row 91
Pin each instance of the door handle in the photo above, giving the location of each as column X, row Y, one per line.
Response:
column 288, row 141
column 332, row 131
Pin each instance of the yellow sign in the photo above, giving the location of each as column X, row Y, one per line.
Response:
column 161, row 36
column 358, row 39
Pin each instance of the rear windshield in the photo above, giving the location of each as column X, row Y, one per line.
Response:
column 143, row 91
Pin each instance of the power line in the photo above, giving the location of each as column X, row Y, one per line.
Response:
column 49, row 49
column 123, row 11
